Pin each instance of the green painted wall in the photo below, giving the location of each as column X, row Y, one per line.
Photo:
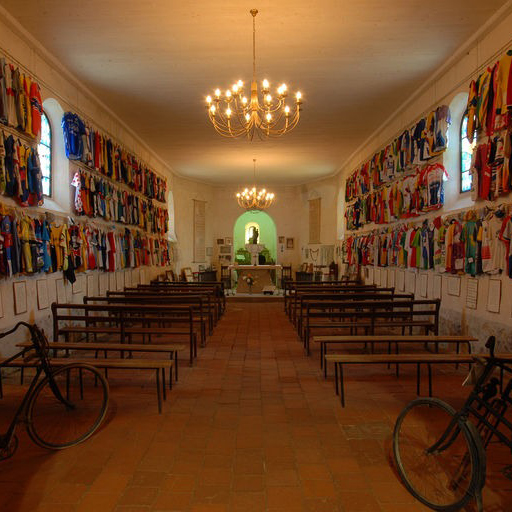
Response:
column 268, row 233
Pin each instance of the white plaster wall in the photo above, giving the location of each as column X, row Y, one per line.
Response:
column 61, row 91
column 451, row 88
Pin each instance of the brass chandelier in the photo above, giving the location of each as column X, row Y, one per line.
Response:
column 234, row 115
column 254, row 199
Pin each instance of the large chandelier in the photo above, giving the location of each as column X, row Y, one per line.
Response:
column 254, row 199
column 234, row 115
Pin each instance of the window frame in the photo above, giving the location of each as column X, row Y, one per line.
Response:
column 44, row 115
column 462, row 136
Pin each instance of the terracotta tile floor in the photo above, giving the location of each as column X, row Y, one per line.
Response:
column 251, row 427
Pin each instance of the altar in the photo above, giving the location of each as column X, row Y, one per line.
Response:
column 262, row 275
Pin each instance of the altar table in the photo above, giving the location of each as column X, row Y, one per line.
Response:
column 261, row 273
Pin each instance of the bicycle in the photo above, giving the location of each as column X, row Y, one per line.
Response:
column 61, row 409
column 439, row 453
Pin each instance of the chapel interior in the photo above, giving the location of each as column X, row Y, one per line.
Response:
column 255, row 256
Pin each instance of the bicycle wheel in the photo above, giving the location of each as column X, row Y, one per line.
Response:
column 58, row 422
column 437, row 458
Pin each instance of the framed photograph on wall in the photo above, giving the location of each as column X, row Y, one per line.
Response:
column 220, row 241
column 281, row 240
column 289, row 243
column 228, row 241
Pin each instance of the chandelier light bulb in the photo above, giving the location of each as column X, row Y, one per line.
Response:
column 257, row 113
column 213, row 109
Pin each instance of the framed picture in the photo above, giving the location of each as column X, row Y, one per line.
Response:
column 228, row 241
column 225, row 249
column 220, row 241
column 187, row 274
column 289, row 243
column 281, row 239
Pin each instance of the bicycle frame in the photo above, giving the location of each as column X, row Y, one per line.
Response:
column 38, row 344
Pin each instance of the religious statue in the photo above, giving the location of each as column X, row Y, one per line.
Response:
column 255, row 235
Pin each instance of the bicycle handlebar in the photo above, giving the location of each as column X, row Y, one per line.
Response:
column 30, row 327
column 491, row 344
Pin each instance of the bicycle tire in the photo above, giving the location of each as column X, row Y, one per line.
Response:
column 444, row 480
column 54, row 424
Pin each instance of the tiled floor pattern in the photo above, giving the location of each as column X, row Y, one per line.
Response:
column 251, row 427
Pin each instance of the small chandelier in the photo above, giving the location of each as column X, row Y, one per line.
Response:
column 234, row 115
column 254, row 199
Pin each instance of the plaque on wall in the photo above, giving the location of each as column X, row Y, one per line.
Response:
column 20, row 297
column 42, row 294
column 199, row 231
column 453, row 286
column 472, row 293
column 494, row 296
column 315, row 206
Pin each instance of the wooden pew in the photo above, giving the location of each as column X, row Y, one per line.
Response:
column 215, row 289
column 158, row 365
column 125, row 321
column 343, row 341
column 371, row 315
column 418, row 359
column 341, row 289
column 203, row 315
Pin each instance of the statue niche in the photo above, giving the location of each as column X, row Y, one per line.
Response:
column 253, row 239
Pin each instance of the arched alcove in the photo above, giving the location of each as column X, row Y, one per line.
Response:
column 266, row 227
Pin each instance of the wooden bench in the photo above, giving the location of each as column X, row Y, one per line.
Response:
column 359, row 296
column 211, row 294
column 290, row 296
column 216, row 287
column 371, row 315
column 105, row 347
column 418, row 359
column 324, row 341
column 125, row 321
column 159, row 365
column 202, row 311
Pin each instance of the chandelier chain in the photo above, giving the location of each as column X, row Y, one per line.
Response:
column 234, row 114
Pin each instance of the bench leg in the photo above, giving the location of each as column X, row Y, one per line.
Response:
column 342, row 387
column 418, row 377
column 336, row 382
column 158, row 391
column 164, row 387
column 429, row 379
column 325, row 362
column 191, row 362
column 170, row 378
column 397, row 370
column 321, row 355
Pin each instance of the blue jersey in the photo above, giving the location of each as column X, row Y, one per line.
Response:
column 73, row 128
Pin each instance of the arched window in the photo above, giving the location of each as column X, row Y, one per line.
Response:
column 466, row 152
column 45, row 154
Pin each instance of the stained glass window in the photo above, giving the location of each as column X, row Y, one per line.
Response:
column 45, row 154
column 466, row 152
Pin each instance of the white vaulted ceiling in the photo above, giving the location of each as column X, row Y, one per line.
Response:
column 154, row 61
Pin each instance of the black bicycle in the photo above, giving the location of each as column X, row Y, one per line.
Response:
column 63, row 406
column 440, row 453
